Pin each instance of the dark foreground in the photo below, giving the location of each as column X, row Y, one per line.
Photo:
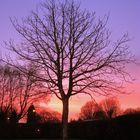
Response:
column 120, row 128
column 44, row 139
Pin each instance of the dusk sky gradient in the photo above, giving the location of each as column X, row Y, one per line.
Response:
column 124, row 16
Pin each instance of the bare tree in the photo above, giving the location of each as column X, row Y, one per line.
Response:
column 92, row 111
column 72, row 51
column 8, row 88
column 18, row 91
column 111, row 107
column 30, row 91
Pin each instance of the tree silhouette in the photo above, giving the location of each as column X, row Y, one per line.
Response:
column 92, row 111
column 31, row 115
column 72, row 51
column 3, row 116
column 111, row 107
column 29, row 91
column 19, row 90
column 8, row 88
column 13, row 118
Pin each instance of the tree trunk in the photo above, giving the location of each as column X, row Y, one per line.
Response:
column 65, row 119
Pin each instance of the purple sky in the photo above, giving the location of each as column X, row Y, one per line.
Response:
column 124, row 17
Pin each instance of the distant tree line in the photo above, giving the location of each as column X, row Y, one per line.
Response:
column 106, row 109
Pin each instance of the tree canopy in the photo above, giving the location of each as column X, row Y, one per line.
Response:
column 72, row 52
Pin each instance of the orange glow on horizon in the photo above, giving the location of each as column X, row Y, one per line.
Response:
column 76, row 102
